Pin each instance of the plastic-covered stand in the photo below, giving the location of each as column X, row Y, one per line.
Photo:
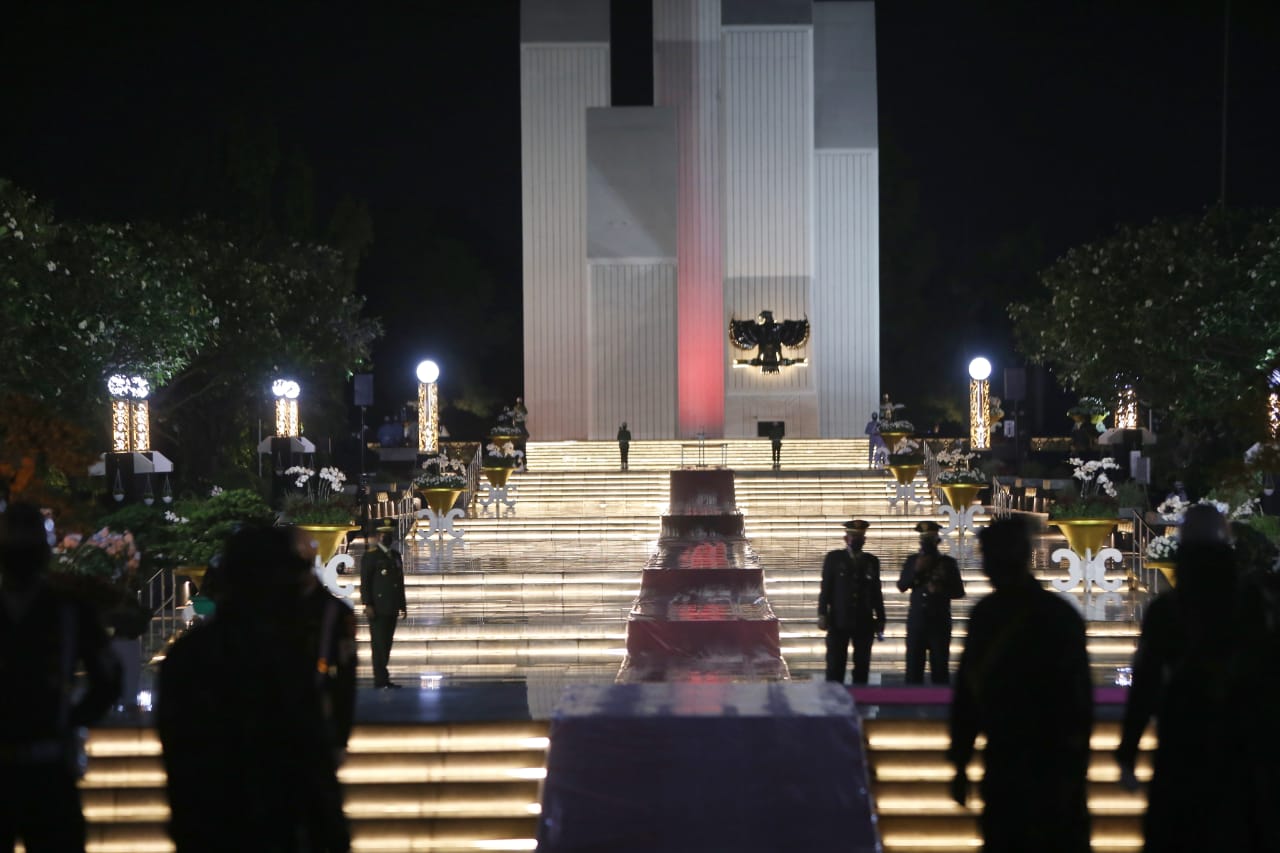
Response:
column 702, row 612
column 682, row 766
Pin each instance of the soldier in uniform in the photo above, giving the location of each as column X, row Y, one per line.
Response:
column 934, row 580
column 624, row 443
column 382, row 591
column 850, row 604
column 43, row 636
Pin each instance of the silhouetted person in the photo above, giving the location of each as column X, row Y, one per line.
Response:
column 624, row 443
column 877, row 452
column 1024, row 682
column 850, row 604
column 1252, row 774
column 382, row 593
column 329, row 637
column 247, row 748
column 1181, row 672
column 44, row 636
column 934, row 580
column 775, row 442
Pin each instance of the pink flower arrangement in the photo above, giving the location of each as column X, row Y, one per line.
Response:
column 113, row 556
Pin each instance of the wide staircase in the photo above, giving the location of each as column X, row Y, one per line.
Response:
column 544, row 590
column 917, row 814
column 541, row 596
column 446, row 788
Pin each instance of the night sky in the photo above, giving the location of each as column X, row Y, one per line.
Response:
column 1010, row 131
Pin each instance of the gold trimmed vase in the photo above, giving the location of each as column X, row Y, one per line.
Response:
column 326, row 537
column 498, row 475
column 1085, row 534
column 1166, row 568
column 440, row 500
column 892, row 438
column 904, row 474
column 961, row 495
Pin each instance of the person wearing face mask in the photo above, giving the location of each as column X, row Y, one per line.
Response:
column 934, row 581
column 850, row 604
column 382, row 593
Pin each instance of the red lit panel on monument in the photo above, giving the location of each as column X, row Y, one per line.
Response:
column 706, row 555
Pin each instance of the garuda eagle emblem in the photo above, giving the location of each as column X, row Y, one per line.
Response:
column 768, row 338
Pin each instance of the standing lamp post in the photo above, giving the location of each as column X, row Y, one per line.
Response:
column 1127, row 408
column 131, row 462
column 979, row 404
column 287, row 447
column 428, row 408
column 286, row 392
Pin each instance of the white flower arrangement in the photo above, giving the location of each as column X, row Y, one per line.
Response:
column 215, row 491
column 1173, row 509
column 897, row 426
column 173, row 518
column 1162, row 548
column 441, row 472
column 505, row 456
column 1093, row 476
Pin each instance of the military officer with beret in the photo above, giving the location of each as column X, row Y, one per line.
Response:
column 850, row 604
column 382, row 593
column 934, row 580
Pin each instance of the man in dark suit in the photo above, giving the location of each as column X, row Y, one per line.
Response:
column 934, row 580
column 382, row 592
column 850, row 604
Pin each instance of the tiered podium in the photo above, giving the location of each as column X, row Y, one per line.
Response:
column 702, row 612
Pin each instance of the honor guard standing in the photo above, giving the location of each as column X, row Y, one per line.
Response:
column 934, row 580
column 382, row 592
column 850, row 604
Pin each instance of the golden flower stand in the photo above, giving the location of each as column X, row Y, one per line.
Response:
column 325, row 538
column 961, row 511
column 499, row 494
column 905, row 488
column 439, row 513
column 1085, row 555
column 1166, row 568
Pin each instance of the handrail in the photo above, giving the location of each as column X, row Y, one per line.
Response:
column 158, row 594
column 1143, row 533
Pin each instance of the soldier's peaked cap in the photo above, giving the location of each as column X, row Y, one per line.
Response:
column 386, row 524
column 928, row 527
column 857, row 524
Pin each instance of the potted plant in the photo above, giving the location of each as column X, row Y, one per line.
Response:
column 499, row 461
column 894, row 431
column 1087, row 518
column 1090, row 409
column 1161, row 553
column 320, row 507
column 441, row 481
column 959, row 481
column 905, row 458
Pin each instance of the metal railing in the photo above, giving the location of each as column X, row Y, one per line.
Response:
column 159, row 595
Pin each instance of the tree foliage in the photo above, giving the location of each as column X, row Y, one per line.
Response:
column 208, row 313
column 1188, row 312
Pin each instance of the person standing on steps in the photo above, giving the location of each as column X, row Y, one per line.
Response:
column 933, row 580
column 776, row 432
column 877, row 453
column 382, row 593
column 851, row 604
column 624, row 443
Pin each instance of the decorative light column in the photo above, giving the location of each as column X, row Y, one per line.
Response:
column 130, row 413
column 979, row 404
column 428, row 408
column 1273, row 404
column 286, row 392
column 1127, row 408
